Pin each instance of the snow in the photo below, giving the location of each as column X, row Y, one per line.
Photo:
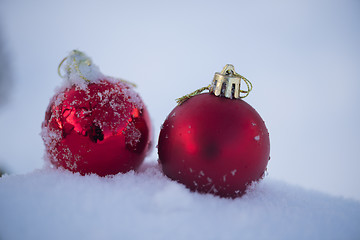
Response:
column 79, row 70
column 57, row 204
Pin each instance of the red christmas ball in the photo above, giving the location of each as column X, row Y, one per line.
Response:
column 214, row 145
column 100, row 127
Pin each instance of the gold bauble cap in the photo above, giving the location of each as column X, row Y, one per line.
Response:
column 226, row 83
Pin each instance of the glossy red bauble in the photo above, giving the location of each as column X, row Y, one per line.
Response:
column 102, row 128
column 214, row 145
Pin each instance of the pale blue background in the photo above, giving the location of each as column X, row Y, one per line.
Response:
column 301, row 56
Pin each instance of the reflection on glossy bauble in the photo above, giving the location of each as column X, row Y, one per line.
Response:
column 102, row 128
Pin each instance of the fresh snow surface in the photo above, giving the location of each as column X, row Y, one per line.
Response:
column 57, row 204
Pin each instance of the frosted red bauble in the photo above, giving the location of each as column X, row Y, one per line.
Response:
column 214, row 145
column 102, row 128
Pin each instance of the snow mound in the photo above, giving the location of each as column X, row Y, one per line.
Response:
column 57, row 204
